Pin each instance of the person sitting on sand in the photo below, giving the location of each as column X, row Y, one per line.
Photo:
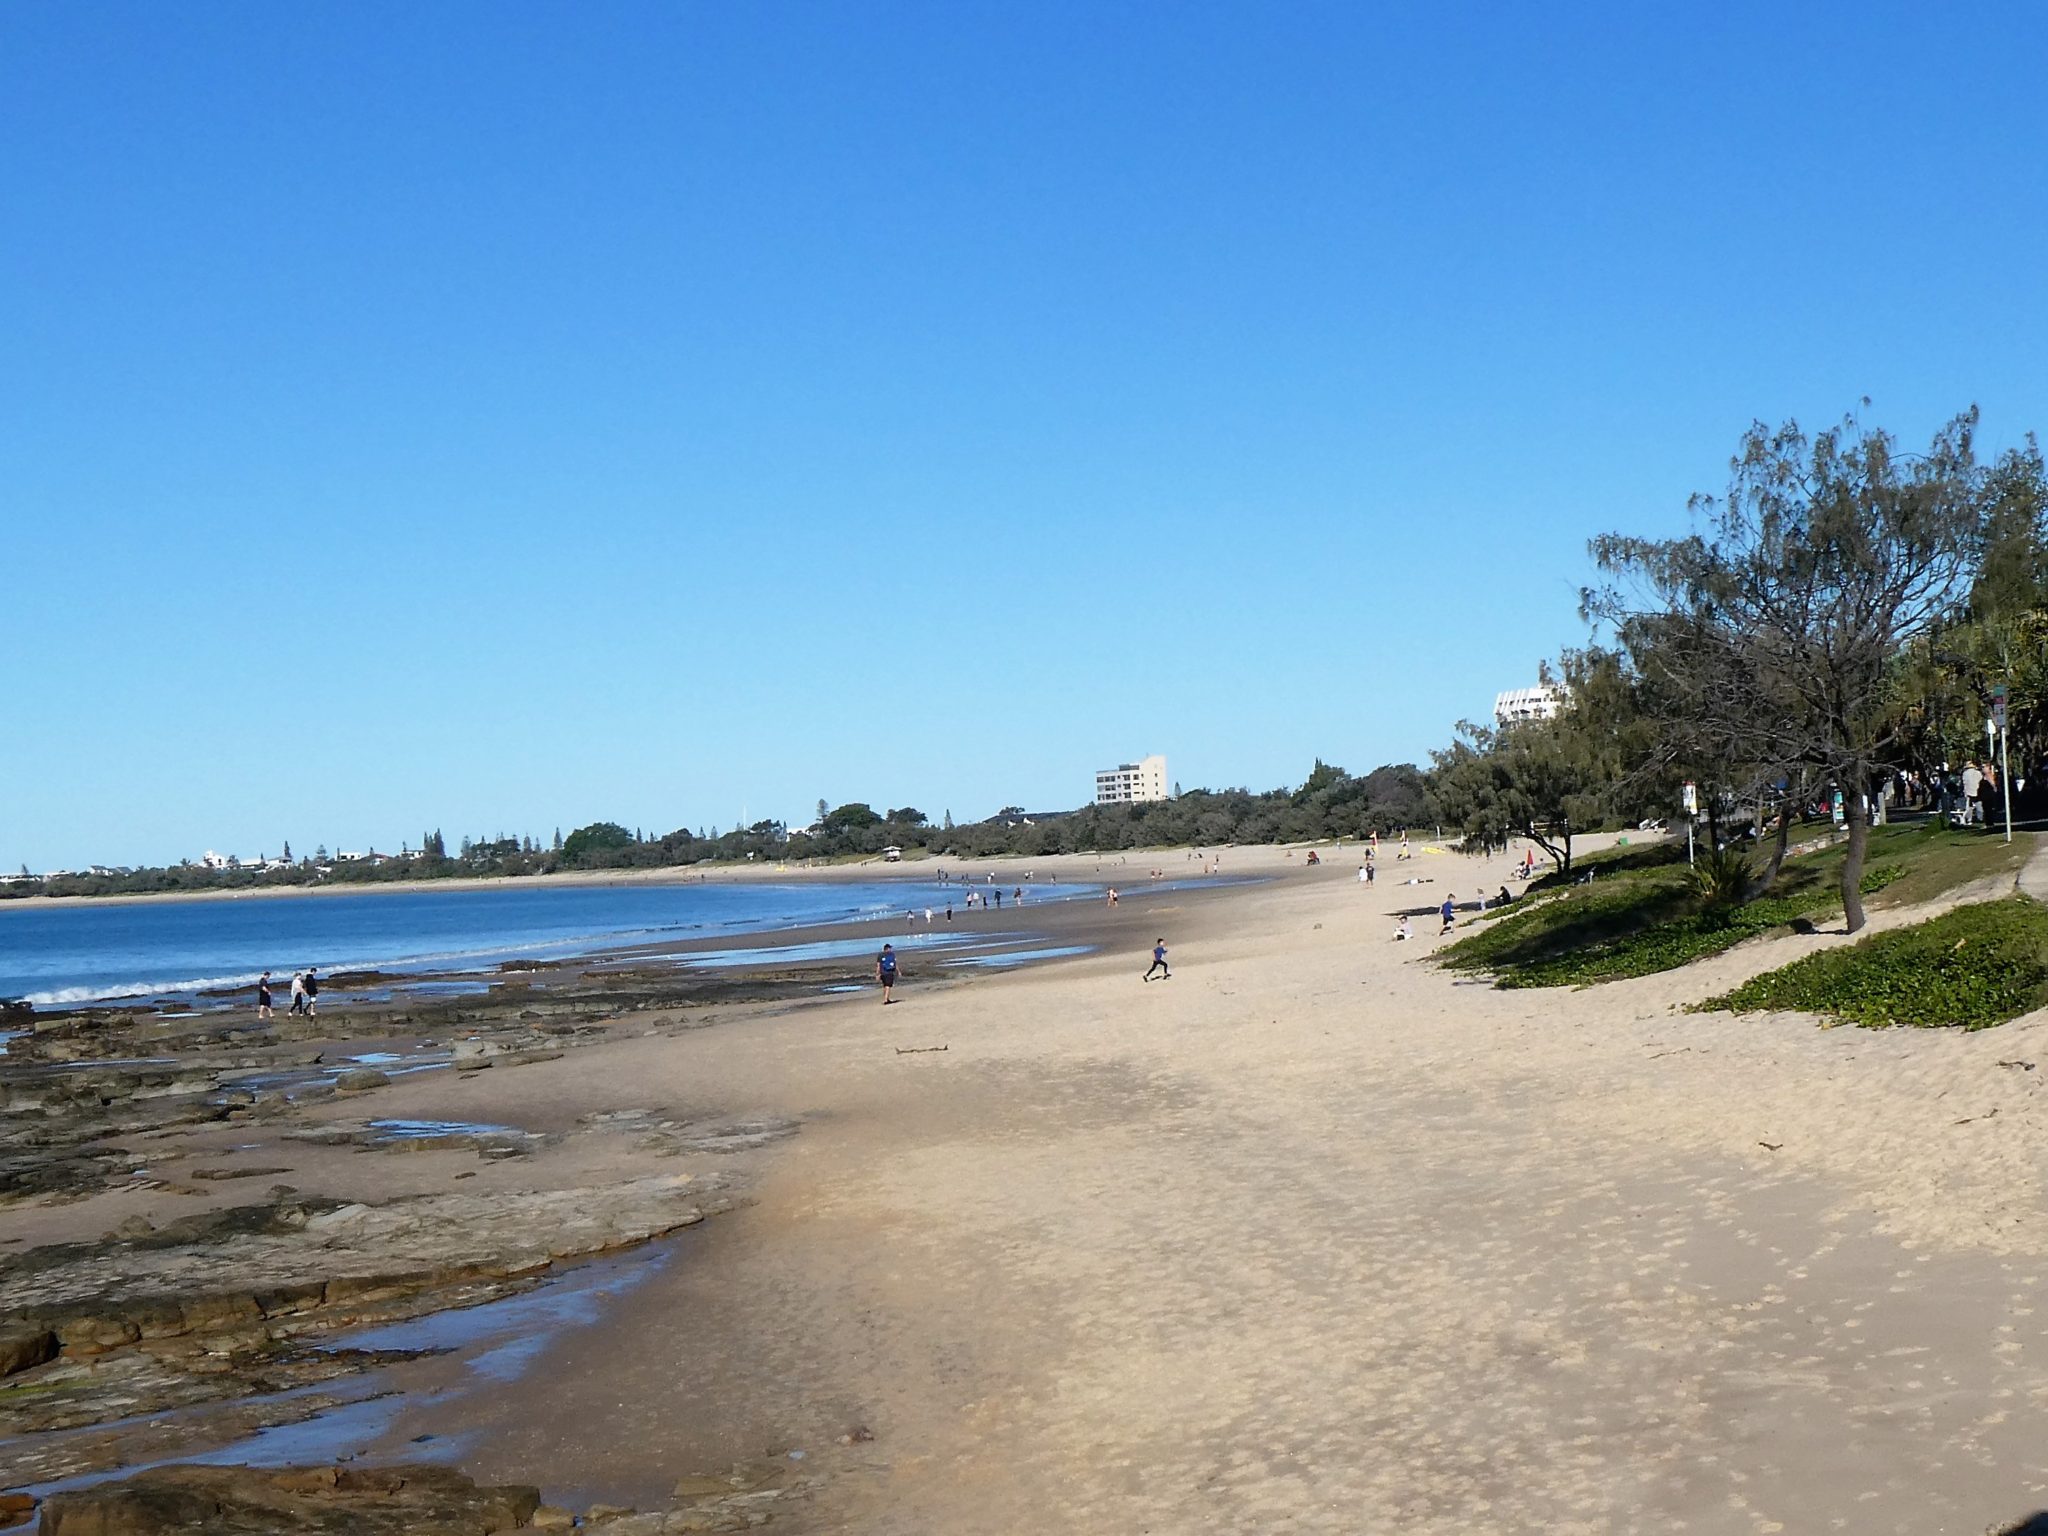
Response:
column 1159, row 962
column 1503, row 898
column 1402, row 931
column 885, row 971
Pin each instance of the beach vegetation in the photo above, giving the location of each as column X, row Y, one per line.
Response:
column 1771, row 642
column 1969, row 968
column 1543, row 780
column 1637, row 910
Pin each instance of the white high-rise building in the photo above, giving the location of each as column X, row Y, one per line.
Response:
column 1539, row 703
column 1129, row 783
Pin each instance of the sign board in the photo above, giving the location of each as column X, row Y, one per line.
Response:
column 1692, row 798
column 1998, row 706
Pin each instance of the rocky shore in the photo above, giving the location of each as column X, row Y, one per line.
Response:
column 151, row 1308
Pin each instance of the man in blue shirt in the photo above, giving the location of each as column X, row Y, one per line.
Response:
column 1450, row 913
column 885, row 971
column 1159, row 962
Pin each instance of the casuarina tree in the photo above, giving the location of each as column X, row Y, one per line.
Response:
column 1777, row 627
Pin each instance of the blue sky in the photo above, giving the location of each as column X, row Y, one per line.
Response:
column 499, row 417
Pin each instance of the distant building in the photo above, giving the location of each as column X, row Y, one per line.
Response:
column 1132, row 783
column 1539, row 703
column 214, row 860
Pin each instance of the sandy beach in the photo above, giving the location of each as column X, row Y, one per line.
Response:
column 1311, row 1237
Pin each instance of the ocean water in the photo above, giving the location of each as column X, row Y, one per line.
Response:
column 67, row 956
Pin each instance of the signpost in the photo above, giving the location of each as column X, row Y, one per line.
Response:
column 1997, row 723
column 1692, row 810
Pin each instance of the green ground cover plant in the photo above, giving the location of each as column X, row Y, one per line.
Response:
column 1645, row 911
column 1971, row 968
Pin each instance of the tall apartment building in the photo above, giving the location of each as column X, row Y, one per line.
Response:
column 1539, row 703
column 1129, row 783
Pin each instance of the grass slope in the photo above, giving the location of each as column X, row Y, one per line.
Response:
column 1971, row 968
column 1641, row 913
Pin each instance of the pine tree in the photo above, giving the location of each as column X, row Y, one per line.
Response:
column 824, row 810
column 949, row 821
column 287, row 851
column 558, row 839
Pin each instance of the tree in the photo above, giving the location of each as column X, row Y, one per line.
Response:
column 1825, row 559
column 906, row 816
column 1321, row 777
column 287, row 851
column 598, row 837
column 852, row 817
column 949, row 821
column 558, row 840
column 823, row 809
column 1541, row 779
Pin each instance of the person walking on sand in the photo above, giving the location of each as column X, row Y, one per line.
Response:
column 312, row 990
column 298, row 992
column 1450, row 913
column 885, row 972
column 263, row 997
column 1159, row 962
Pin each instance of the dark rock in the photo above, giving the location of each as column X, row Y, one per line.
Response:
column 361, row 1080
column 22, row 1348
column 253, row 1501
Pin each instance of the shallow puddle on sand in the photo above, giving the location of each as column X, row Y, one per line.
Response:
column 467, row 1349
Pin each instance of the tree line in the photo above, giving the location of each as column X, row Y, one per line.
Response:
column 1330, row 803
column 1838, row 627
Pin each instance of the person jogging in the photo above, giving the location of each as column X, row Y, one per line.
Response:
column 1450, row 913
column 885, row 971
column 1159, row 962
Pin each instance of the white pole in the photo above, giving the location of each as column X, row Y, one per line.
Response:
column 2005, row 774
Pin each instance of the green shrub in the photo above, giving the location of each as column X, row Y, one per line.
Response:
column 1971, row 968
column 1722, row 876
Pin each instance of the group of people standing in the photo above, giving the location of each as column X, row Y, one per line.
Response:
column 305, row 993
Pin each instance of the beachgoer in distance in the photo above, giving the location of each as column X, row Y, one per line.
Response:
column 1402, row 931
column 312, row 990
column 885, row 971
column 263, row 997
column 1450, row 913
column 999, row 899
column 1159, row 962
column 1503, row 898
column 298, row 992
